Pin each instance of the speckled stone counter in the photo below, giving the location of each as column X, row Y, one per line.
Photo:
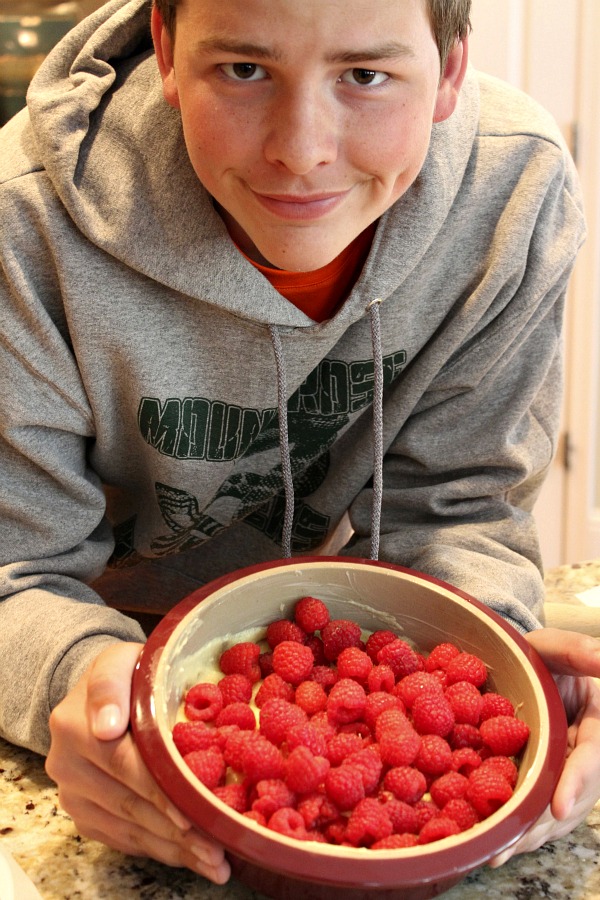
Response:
column 64, row 866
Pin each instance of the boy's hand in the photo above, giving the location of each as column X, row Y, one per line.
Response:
column 103, row 783
column 574, row 660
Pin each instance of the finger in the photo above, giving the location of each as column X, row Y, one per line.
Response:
column 579, row 784
column 109, row 692
column 567, row 652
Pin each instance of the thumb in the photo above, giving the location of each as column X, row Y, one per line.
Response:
column 109, row 690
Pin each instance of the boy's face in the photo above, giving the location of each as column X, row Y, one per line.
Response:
column 305, row 120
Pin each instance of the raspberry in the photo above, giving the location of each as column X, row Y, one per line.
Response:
column 234, row 795
column 288, row 821
column 368, row 822
column 277, row 717
column 239, row 714
column 381, row 678
column 339, row 634
column 241, row 659
column 399, row 745
column 465, row 760
column 504, row 735
column 467, row 667
column 189, row 736
column 376, row 703
column 235, row 689
column 441, row 656
column 304, row 771
column 207, row 765
column 425, row 810
column 447, row 787
column 271, row 794
column 434, row 756
column 307, row 735
column 432, row 714
column 256, row 817
column 403, row 816
column 464, row 735
column 405, row 783
column 368, row 760
column 466, row 702
column 284, row 630
column 203, row 702
column 265, row 663
column 504, row 766
column 261, row 759
column 234, row 747
column 344, row 786
column 495, row 705
column 377, row 640
column 274, row 686
column 317, row 810
column 396, row 842
column 310, row 697
column 318, row 650
column 389, row 718
column 324, row 675
column 437, row 828
column 411, row 686
column 341, row 746
column 400, row 657
column 354, row 663
column 462, row 812
column 346, row 701
column 311, row 614
column 292, row 661
column 487, row 791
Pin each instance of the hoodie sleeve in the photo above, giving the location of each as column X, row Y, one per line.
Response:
column 53, row 534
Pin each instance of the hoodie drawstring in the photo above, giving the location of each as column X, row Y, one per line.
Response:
column 284, row 445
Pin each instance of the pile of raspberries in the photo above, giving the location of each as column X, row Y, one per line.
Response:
column 362, row 743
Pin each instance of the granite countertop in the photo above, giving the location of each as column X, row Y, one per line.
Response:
column 65, row 866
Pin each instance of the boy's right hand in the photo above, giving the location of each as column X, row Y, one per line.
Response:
column 102, row 781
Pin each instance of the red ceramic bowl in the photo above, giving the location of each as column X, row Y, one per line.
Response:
column 377, row 595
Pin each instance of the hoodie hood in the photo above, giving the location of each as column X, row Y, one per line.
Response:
column 98, row 97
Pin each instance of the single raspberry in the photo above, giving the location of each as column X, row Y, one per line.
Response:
column 396, row 842
column 234, row 795
column 447, row 787
column 284, row 630
column 304, row 771
column 399, row 745
column 437, row 828
column 487, row 791
column 240, row 714
column 292, row 661
column 467, row 667
column 318, row 649
column 265, row 663
column 324, row 675
column 346, row 701
column 400, row 657
column 242, row 659
column 376, row 703
column 339, row 634
column 434, row 756
column 288, row 821
column 359, row 727
column 425, row 810
column 381, row 678
column 466, row 702
column 255, row 817
column 462, row 812
column 321, row 721
column 344, row 786
column 504, row 766
column 368, row 822
column 234, row 747
column 189, row 736
column 274, row 686
column 307, row 735
column 411, row 686
column 405, row 783
column 390, row 718
column 261, row 759
column 464, row 735
column 403, row 817
column 203, row 702
column 271, row 794
column 235, row 689
column 207, row 765
column 311, row 614
column 354, row 663
column 495, row 705
column 277, row 717
column 311, row 697
column 465, row 760
column 432, row 714
column 340, row 746
column 377, row 640
column 504, row 735
column 441, row 656
column 334, row 831
column 369, row 761
column 317, row 810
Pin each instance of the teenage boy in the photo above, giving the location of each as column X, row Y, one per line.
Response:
column 220, row 250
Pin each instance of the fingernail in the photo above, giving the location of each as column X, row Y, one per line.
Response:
column 107, row 720
column 177, row 818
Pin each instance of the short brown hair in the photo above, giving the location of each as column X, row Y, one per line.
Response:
column 449, row 20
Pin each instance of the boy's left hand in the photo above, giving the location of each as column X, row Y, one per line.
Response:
column 574, row 660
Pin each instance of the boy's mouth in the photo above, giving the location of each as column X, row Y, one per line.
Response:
column 301, row 206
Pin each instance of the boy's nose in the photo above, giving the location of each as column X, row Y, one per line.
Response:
column 301, row 133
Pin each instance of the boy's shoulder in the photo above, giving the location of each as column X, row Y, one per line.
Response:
column 18, row 152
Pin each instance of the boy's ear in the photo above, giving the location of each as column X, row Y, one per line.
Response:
column 451, row 80
column 163, row 47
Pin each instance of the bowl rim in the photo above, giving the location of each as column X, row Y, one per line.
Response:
column 248, row 841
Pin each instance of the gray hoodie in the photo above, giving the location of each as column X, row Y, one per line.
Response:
column 140, row 406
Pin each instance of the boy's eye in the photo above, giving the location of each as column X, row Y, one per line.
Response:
column 244, row 71
column 364, row 76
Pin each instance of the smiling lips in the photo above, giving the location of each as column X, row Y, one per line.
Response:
column 301, row 207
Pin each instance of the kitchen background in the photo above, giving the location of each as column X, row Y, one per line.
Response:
column 549, row 49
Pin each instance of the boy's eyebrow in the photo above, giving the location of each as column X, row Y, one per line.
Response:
column 223, row 44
